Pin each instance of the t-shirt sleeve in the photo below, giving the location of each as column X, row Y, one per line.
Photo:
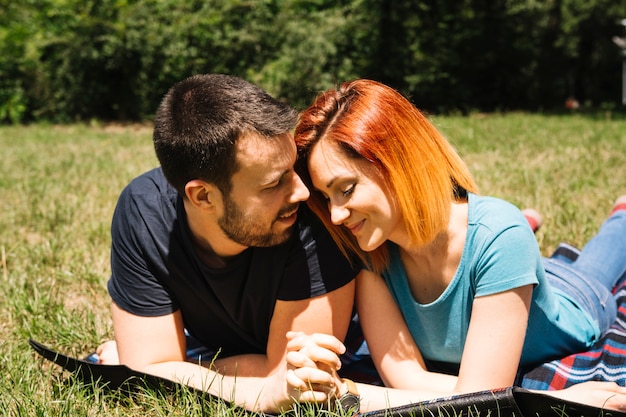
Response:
column 508, row 261
column 315, row 265
column 135, row 256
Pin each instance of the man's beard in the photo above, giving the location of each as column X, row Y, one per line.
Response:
column 241, row 228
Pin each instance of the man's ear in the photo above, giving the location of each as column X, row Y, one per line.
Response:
column 202, row 194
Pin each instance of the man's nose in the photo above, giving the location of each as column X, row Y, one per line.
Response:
column 300, row 191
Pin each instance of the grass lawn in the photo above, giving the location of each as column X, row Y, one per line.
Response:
column 58, row 188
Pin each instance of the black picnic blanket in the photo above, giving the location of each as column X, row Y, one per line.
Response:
column 506, row 402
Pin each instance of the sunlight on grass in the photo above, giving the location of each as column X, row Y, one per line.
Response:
column 59, row 185
column 570, row 168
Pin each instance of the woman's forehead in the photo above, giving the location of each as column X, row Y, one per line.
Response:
column 327, row 161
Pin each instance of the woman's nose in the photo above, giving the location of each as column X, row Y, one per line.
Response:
column 338, row 214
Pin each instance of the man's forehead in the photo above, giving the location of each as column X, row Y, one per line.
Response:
column 264, row 157
column 249, row 143
column 253, row 146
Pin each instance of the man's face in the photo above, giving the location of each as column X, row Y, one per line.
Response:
column 261, row 208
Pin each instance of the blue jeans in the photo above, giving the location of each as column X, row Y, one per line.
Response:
column 600, row 266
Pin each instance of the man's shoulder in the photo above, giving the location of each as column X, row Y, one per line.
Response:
column 306, row 218
column 313, row 237
column 309, row 227
column 314, row 264
column 149, row 189
column 150, row 181
column 147, row 200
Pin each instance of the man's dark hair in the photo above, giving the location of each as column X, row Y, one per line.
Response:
column 200, row 120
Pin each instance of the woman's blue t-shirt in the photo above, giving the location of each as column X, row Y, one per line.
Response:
column 500, row 253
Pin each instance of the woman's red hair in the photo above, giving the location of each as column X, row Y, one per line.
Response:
column 421, row 169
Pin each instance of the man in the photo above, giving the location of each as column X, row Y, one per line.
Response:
column 216, row 243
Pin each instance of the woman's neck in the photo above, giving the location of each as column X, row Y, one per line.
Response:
column 430, row 268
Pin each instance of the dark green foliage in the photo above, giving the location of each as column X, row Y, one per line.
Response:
column 66, row 60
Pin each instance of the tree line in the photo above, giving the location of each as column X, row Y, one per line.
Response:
column 73, row 60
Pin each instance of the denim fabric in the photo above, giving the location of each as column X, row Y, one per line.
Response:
column 590, row 279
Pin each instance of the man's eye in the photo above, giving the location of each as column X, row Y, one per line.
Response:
column 276, row 184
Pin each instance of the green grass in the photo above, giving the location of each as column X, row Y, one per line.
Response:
column 58, row 188
column 571, row 168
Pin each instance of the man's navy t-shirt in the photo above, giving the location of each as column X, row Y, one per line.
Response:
column 155, row 270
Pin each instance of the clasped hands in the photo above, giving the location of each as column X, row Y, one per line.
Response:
column 313, row 362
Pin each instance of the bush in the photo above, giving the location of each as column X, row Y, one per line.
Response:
column 68, row 60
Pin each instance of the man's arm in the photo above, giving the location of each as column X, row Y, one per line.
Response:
column 142, row 341
column 156, row 345
column 329, row 313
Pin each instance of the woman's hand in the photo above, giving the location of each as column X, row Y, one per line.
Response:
column 606, row 395
column 314, row 361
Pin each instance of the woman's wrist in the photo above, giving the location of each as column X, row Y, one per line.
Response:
column 348, row 398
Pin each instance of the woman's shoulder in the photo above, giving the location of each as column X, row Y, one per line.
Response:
column 490, row 202
column 493, row 212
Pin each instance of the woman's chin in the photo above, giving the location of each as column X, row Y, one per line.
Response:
column 369, row 246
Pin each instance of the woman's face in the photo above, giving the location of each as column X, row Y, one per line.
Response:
column 357, row 196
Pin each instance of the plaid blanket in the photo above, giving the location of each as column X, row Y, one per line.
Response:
column 605, row 361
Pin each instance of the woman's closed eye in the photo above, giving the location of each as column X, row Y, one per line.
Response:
column 348, row 191
column 339, row 194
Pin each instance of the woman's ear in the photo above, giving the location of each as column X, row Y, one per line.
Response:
column 202, row 194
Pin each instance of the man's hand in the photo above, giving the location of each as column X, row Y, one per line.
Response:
column 107, row 353
column 314, row 362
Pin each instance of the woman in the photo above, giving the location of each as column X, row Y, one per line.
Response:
column 465, row 289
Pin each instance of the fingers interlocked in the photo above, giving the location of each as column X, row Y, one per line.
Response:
column 313, row 361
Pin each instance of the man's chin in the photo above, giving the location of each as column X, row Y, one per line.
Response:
column 274, row 239
column 284, row 236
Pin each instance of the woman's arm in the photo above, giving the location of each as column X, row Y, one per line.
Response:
column 490, row 359
column 395, row 354
column 495, row 338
